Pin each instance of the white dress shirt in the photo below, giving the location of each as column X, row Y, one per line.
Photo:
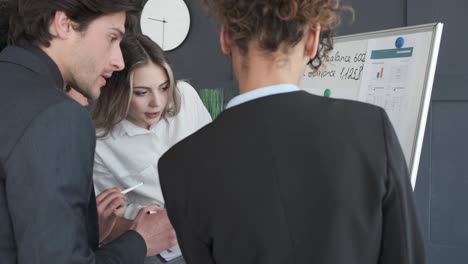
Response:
column 262, row 92
column 130, row 154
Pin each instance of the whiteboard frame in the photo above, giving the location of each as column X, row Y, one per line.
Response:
column 423, row 108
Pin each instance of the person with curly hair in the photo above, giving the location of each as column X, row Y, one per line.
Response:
column 284, row 176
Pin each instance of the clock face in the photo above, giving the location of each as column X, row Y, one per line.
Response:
column 166, row 22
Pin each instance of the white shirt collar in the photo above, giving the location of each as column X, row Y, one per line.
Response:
column 262, row 92
column 127, row 127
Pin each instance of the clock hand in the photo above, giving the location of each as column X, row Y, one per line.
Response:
column 159, row 20
column 164, row 23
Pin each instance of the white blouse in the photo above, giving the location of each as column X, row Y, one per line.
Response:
column 130, row 154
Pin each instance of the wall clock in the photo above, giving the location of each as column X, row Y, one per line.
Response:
column 166, row 22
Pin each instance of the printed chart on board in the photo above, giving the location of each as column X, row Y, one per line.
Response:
column 393, row 69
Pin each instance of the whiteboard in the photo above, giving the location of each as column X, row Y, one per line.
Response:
column 393, row 69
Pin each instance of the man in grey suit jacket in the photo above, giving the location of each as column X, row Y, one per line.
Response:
column 47, row 202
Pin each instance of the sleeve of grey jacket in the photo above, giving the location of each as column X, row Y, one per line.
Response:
column 49, row 187
column 402, row 240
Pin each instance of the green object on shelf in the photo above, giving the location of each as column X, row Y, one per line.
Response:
column 213, row 99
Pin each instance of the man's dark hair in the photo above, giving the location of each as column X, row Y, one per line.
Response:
column 5, row 10
column 30, row 19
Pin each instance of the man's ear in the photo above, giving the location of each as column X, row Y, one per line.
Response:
column 312, row 41
column 225, row 41
column 61, row 25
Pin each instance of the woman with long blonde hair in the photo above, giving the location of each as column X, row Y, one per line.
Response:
column 142, row 112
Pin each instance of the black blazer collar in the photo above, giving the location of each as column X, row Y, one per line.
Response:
column 35, row 60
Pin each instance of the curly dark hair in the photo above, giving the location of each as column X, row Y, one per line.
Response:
column 6, row 7
column 277, row 23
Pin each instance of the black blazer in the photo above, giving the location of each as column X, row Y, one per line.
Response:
column 47, row 201
column 293, row 178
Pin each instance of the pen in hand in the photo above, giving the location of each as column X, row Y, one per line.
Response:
column 131, row 188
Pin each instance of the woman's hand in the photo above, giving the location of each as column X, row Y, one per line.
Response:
column 110, row 205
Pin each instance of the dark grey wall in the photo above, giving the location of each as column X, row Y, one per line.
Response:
column 372, row 15
column 442, row 186
column 199, row 59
